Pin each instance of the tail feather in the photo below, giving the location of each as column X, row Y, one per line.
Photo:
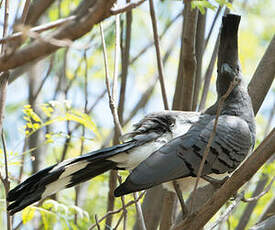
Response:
column 64, row 175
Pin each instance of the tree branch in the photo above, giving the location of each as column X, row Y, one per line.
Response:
column 125, row 54
column 159, row 61
column 38, row 29
column 267, row 224
column 199, row 50
column 188, row 57
column 263, row 77
column 129, row 6
column 84, row 22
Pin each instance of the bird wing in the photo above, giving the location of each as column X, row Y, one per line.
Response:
column 181, row 157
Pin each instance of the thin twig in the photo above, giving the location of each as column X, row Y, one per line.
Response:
column 145, row 48
column 45, row 78
column 118, row 222
column 127, row 7
column 4, row 76
column 96, row 221
column 111, row 100
column 82, row 139
column 267, row 189
column 244, row 219
column 212, row 27
column 269, row 121
column 228, row 211
column 182, row 203
column 118, row 210
column 37, row 29
column 212, row 135
column 116, row 61
column 208, row 75
column 5, row 26
column 140, row 216
column 159, row 61
column 118, row 129
column 125, row 213
column 6, row 181
column 125, row 54
column 25, row 11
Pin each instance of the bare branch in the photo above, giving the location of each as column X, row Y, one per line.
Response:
column 199, row 49
column 212, row 27
column 183, row 97
column 125, row 213
column 98, row 11
column 111, row 99
column 268, row 211
column 263, row 77
column 168, row 210
column 159, row 61
column 243, row 221
column 268, row 224
column 25, row 11
column 270, row 118
column 44, row 79
column 228, row 211
column 150, row 207
column 117, row 51
column 127, row 7
column 208, row 74
column 118, row 210
column 143, row 50
column 257, row 197
column 38, row 29
column 36, row 9
column 6, row 181
column 139, row 213
column 125, row 54
column 96, row 221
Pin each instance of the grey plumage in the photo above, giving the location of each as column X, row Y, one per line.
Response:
column 164, row 146
column 235, row 134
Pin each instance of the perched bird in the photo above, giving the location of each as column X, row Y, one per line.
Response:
column 164, row 146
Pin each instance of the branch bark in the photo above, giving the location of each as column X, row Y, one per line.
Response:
column 199, row 48
column 269, row 210
column 159, row 61
column 268, row 224
column 183, row 97
column 263, row 77
column 125, row 54
column 189, row 58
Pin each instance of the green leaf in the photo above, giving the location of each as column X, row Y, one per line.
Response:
column 224, row 3
column 27, row 214
column 201, row 5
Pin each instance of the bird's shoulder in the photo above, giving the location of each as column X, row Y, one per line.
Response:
column 154, row 125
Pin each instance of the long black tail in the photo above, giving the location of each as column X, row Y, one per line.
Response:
column 63, row 175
